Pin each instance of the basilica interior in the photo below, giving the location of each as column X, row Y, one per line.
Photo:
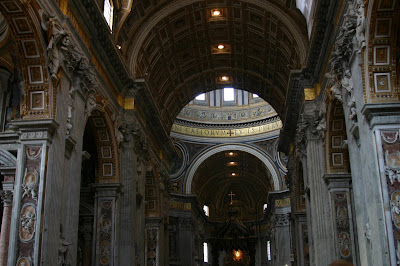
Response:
column 199, row 132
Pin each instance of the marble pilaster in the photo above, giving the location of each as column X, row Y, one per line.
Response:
column 28, row 217
column 320, row 215
column 339, row 186
column 280, row 236
column 106, row 218
column 127, row 228
column 153, row 239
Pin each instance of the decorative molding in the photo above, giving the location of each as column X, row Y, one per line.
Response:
column 35, row 130
column 381, row 114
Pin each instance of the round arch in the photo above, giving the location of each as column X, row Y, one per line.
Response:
column 31, row 63
column 107, row 147
column 229, row 147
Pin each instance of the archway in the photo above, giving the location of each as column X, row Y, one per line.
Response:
column 277, row 182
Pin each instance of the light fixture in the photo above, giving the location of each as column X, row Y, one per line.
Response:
column 233, row 174
column 230, row 153
column 216, row 12
column 119, row 47
column 224, row 78
column 221, row 46
column 237, row 255
column 232, row 163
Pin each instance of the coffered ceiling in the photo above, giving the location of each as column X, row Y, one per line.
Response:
column 172, row 45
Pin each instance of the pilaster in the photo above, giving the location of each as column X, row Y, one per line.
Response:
column 129, row 176
column 152, row 243
column 106, row 217
column 340, row 194
column 26, row 231
column 279, row 206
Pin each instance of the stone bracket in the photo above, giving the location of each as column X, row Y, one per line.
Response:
column 69, row 146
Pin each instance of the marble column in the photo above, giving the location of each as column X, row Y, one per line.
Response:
column 6, row 196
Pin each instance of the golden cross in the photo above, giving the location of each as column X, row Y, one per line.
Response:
column 231, row 194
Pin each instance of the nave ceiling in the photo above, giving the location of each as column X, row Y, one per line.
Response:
column 173, row 46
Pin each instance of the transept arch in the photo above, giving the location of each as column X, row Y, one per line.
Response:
column 277, row 183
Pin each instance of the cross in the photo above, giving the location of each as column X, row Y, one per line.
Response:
column 231, row 194
column 230, row 133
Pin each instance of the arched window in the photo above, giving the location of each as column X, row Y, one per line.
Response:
column 206, row 210
column 108, row 12
column 205, row 252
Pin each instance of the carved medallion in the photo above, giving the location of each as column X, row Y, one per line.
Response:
column 27, row 222
column 395, row 208
column 389, row 136
column 33, row 152
column 24, row 261
column 344, row 244
column 30, row 185
column 105, row 252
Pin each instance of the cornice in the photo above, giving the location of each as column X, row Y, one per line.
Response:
column 322, row 37
column 102, row 42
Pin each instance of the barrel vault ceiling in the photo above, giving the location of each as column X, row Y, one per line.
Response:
column 172, row 45
column 234, row 172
